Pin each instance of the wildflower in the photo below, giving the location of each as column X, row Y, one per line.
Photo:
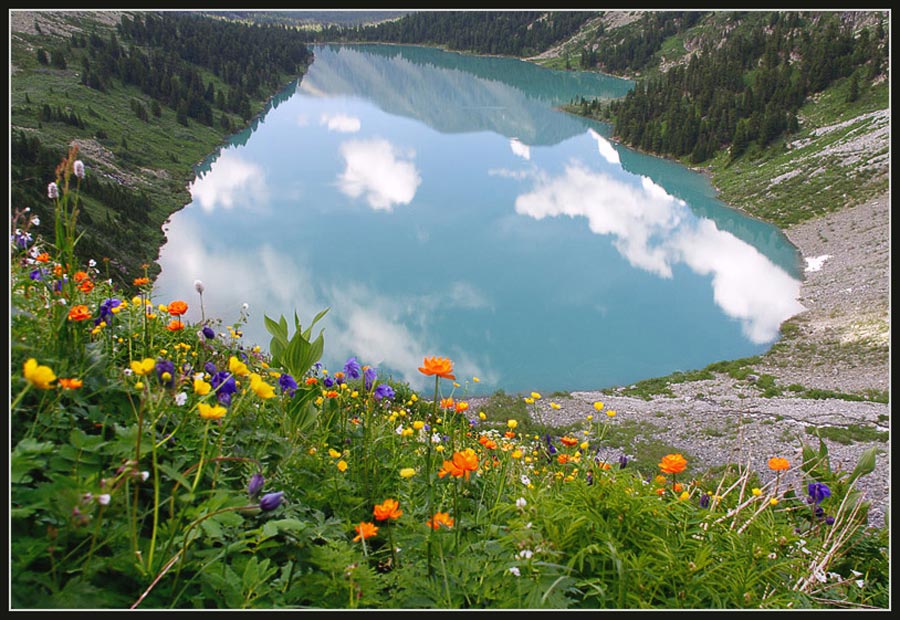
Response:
column 198, row 286
column 262, row 389
column 211, row 412
column 521, row 503
column 598, row 405
column 255, row 485
column 181, row 398
column 529, row 401
column 78, row 168
column 37, row 274
column 43, row 257
column 342, row 466
column 86, row 287
column 104, row 499
column 773, row 501
column 287, row 384
column 143, row 367
column 439, row 519
column 756, row 491
column 407, row 472
column 818, row 491
column 142, row 281
column 175, row 325
column 704, row 500
column 177, row 308
column 525, row 480
column 476, row 379
column 672, row 464
column 388, row 509
column 776, row 463
column 515, row 571
column 107, row 309
column 536, row 395
column 39, row 376
column 79, row 313
column 52, row 191
column 70, row 384
column 352, row 368
column 461, row 464
column 208, row 332
column 271, row 501
column 201, row 387
column 238, row 367
column 383, row 391
column 438, row 366
column 568, row 441
column 447, row 403
column 364, row 531
column 370, row 375
column 623, row 461
column 165, row 370
column 554, row 406
column 461, row 407
column 610, row 413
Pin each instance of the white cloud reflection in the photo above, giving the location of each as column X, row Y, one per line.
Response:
column 655, row 231
column 607, row 151
column 231, row 181
column 341, row 123
column 520, row 149
column 377, row 170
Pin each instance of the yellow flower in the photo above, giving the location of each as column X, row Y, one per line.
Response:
column 756, row 491
column 611, row 413
column 237, row 367
column 529, row 401
column 554, row 406
column 407, row 472
column 39, row 376
column 262, row 389
column 342, row 465
column 333, row 453
column 476, row 379
column 143, row 367
column 512, row 423
column 201, row 387
column 211, row 412
column 139, row 385
column 773, row 501
column 598, row 405
column 516, row 454
column 684, row 495
column 536, row 395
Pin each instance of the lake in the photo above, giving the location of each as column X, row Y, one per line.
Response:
column 439, row 204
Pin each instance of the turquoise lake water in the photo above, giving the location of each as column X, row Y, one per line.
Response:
column 439, row 204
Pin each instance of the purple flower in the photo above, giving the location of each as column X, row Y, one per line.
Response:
column 21, row 239
column 224, row 398
column 829, row 520
column 623, row 461
column 818, row 491
column 165, row 367
column 288, row 384
column 352, row 368
column 210, row 368
column 223, row 383
column 256, row 484
column 106, row 312
column 383, row 390
column 209, row 332
column 271, row 501
column 370, row 374
column 37, row 274
column 328, row 382
column 704, row 500
column 551, row 449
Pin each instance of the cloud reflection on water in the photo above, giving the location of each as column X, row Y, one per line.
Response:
column 380, row 172
column 236, row 181
column 655, row 231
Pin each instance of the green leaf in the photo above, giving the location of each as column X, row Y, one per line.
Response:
column 26, row 457
column 866, row 464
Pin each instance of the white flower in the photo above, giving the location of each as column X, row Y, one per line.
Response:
column 145, row 475
column 198, row 286
column 860, row 583
column 525, row 480
column 53, row 191
column 525, row 554
column 521, row 503
column 515, row 571
column 435, row 437
column 245, row 305
column 180, row 398
column 399, row 429
column 92, row 263
column 128, row 372
column 35, row 220
column 103, row 499
column 78, row 168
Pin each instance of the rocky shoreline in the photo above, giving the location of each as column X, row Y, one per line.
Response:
column 841, row 344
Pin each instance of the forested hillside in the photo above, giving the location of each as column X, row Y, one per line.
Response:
column 145, row 95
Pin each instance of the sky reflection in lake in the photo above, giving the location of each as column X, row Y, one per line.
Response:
column 439, row 205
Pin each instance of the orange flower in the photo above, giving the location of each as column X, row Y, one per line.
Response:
column 563, row 459
column 70, row 384
column 672, row 464
column 365, row 530
column 331, row 394
column 466, row 461
column 80, row 276
column 175, row 325
column 447, row 403
column 568, row 441
column 389, row 509
column 776, row 463
column 311, row 381
column 79, row 313
column 488, row 443
column 438, row 366
column 439, row 519
column 449, row 467
column 43, row 257
column 510, row 434
column 142, row 281
column 86, row 287
column 462, row 406
column 177, row 308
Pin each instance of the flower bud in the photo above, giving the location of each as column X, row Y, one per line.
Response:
column 271, row 501
column 256, row 484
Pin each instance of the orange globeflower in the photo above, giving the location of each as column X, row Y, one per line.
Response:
column 389, row 509
column 439, row 366
column 177, row 308
column 86, row 287
column 142, row 281
column 80, row 276
column 79, row 313
column 776, row 463
column 462, row 406
column 672, row 464
column 439, row 519
column 466, row 462
column 70, row 384
column 365, row 530
column 447, row 403
column 43, row 257
column 568, row 441
column 175, row 325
